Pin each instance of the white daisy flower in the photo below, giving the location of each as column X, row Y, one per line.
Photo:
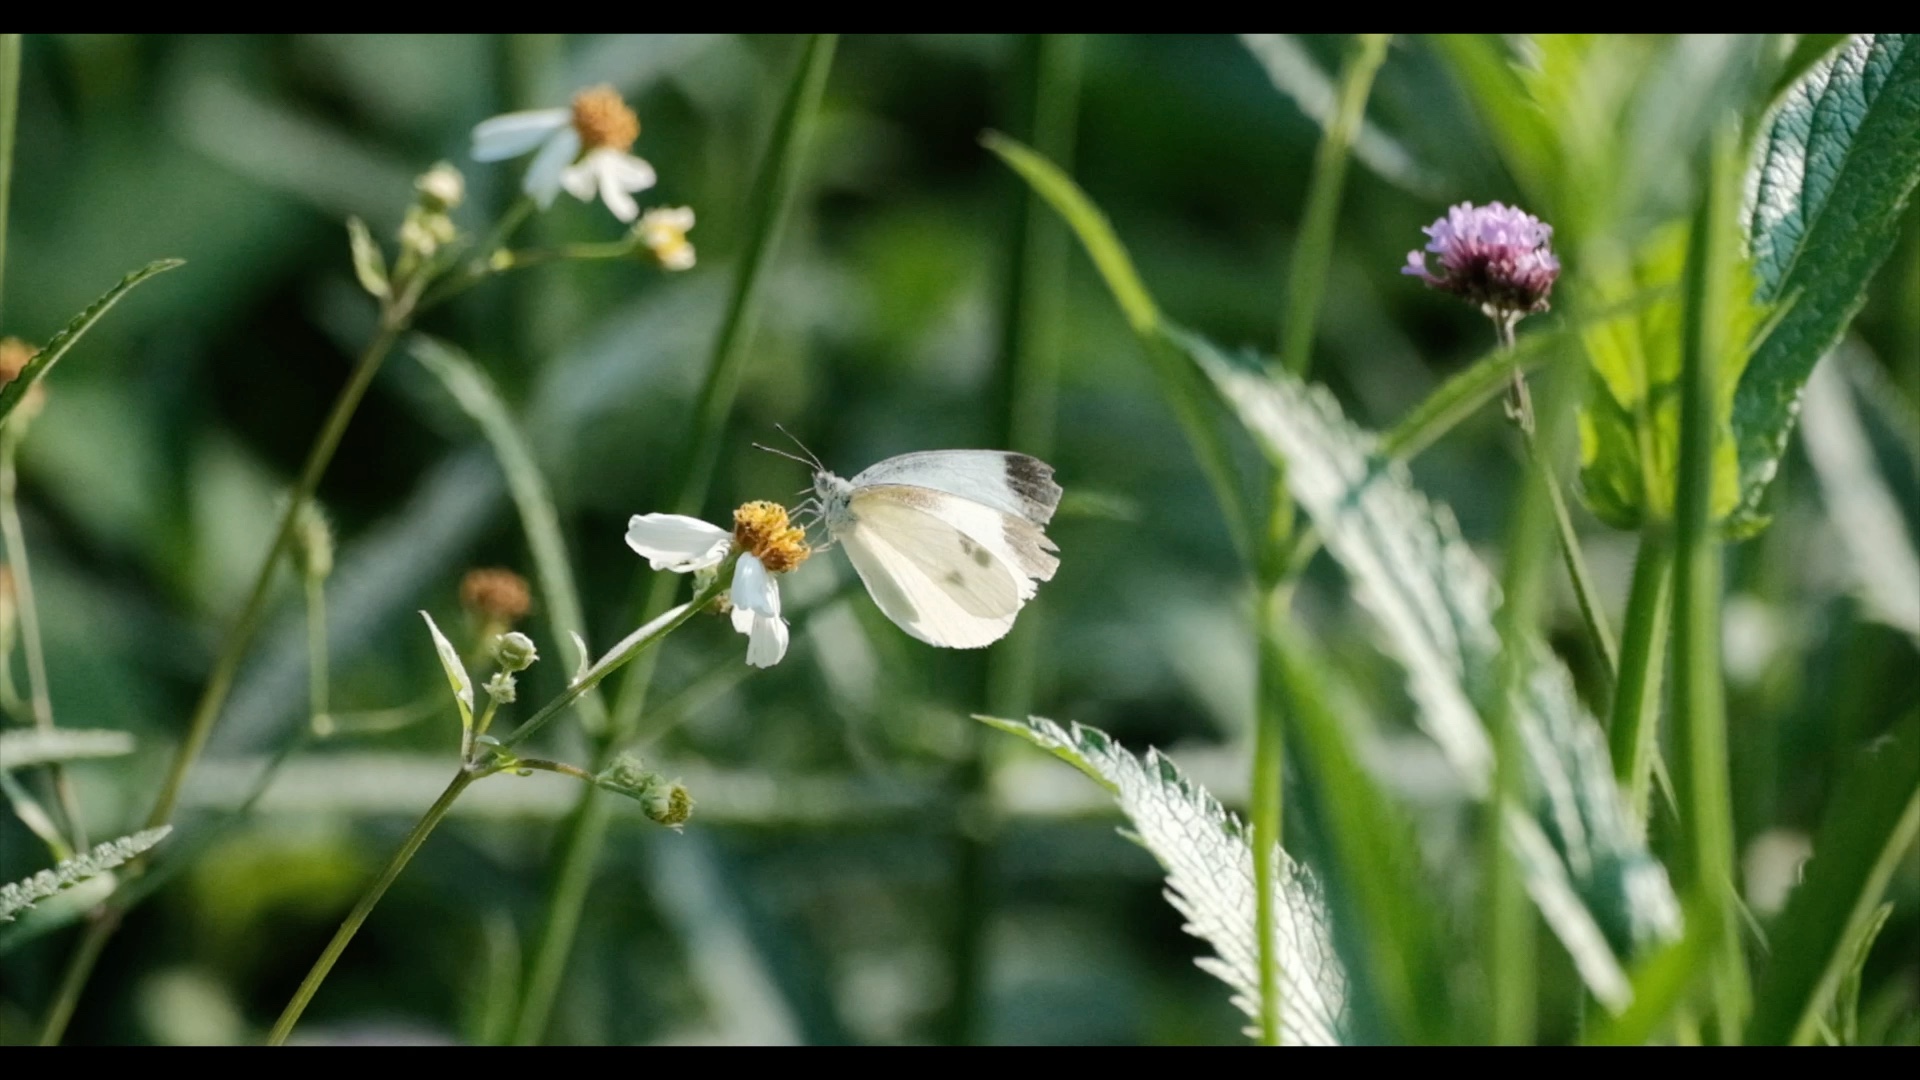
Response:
column 769, row 544
column 583, row 149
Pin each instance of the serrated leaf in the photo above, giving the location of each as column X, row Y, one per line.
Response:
column 369, row 265
column 1435, row 603
column 456, row 671
column 1840, row 158
column 39, row 746
column 22, row 895
column 1209, row 865
column 44, row 360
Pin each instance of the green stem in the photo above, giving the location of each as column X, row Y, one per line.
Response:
column 39, row 694
column 1634, row 728
column 1268, row 796
column 321, row 967
column 1706, row 861
column 774, row 191
column 317, row 664
column 1313, row 252
column 560, row 767
column 1025, row 392
column 220, row 682
column 74, row 979
column 9, row 115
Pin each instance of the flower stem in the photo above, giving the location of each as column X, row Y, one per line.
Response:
column 773, row 195
column 1635, row 723
column 321, row 967
column 40, row 699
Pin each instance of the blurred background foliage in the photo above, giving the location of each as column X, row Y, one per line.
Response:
column 812, row 896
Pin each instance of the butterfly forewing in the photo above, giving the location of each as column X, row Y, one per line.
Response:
column 1011, row 483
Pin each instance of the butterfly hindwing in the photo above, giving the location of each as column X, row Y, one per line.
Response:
column 930, row 577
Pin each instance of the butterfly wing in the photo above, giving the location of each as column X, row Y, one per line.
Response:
column 1013, row 484
column 922, row 563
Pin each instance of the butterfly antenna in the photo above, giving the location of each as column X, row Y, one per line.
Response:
column 803, row 449
column 784, row 454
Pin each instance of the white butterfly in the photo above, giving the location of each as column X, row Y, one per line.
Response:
column 948, row 542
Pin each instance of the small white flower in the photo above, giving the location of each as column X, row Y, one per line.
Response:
column 756, row 612
column 600, row 124
column 676, row 542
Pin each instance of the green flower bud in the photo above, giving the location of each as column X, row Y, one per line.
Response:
column 502, row 688
column 664, row 801
column 515, row 652
column 441, row 188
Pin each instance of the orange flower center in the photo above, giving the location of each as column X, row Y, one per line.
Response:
column 603, row 120
column 761, row 529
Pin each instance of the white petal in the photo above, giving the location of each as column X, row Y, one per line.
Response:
column 631, row 173
column 768, row 641
column 516, row 133
column 676, row 542
column 549, row 167
column 754, row 589
column 613, row 194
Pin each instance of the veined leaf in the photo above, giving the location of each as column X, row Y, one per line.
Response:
column 456, row 671
column 44, row 360
column 39, row 746
column 369, row 265
column 1436, row 603
column 1829, row 181
column 1209, row 865
column 22, row 895
column 1630, row 422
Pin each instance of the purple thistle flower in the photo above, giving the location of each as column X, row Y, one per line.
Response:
column 1495, row 256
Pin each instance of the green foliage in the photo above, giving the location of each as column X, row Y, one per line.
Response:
column 21, row 895
column 456, row 670
column 1872, row 821
column 1630, row 422
column 1829, row 182
column 1204, row 850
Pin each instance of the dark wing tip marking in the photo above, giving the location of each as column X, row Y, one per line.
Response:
column 1032, row 480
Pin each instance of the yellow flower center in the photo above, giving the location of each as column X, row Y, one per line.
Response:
column 603, row 120
column 664, row 231
column 761, row 529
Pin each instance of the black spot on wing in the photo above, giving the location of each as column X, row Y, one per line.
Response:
column 1032, row 481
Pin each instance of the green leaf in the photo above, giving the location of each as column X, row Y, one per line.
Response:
column 1873, row 533
column 1210, row 878
column 1846, row 1004
column 22, row 895
column 1872, row 820
column 1630, row 422
column 369, row 265
column 1435, row 603
column 1294, row 73
column 44, row 360
column 1829, row 181
column 456, row 671
column 40, row 746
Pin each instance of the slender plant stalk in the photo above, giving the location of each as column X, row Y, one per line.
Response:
column 40, row 698
column 1635, row 722
column 1313, row 251
column 1511, row 934
column 1306, row 284
column 773, row 195
column 1705, row 861
column 421, row 830
column 9, row 118
column 1026, row 386
column 317, row 664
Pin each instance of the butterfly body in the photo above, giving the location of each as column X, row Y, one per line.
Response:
column 950, row 543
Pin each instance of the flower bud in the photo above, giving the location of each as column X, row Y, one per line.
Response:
column 502, row 688
column 666, row 802
column 313, row 542
column 441, row 188
column 514, row 651
column 497, row 596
